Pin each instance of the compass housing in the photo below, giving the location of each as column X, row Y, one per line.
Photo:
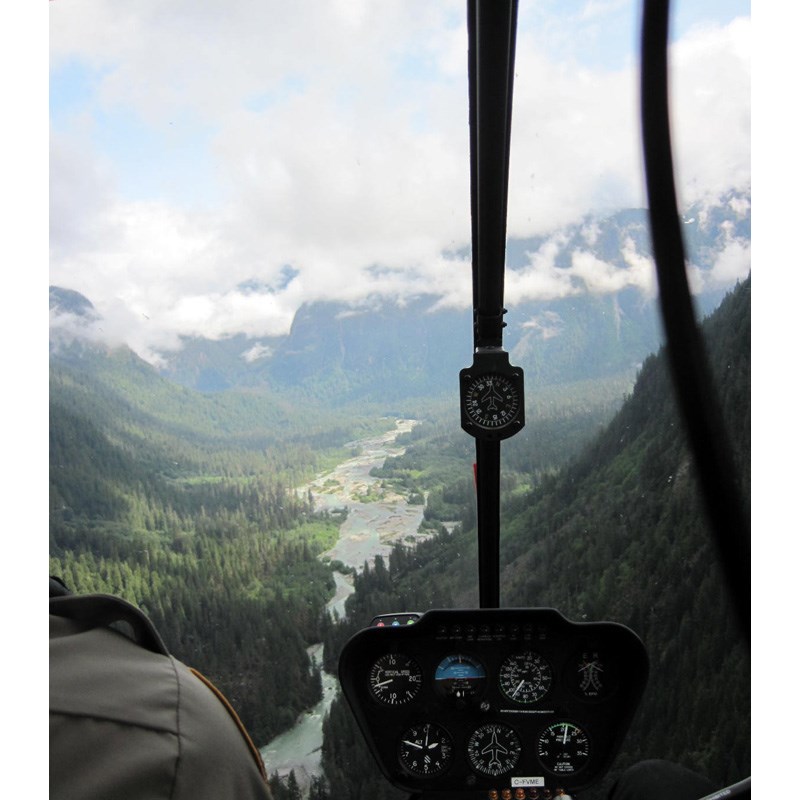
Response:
column 492, row 396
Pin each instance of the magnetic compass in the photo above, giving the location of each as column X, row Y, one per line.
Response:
column 492, row 397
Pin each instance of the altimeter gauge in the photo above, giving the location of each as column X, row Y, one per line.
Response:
column 395, row 679
column 425, row 749
column 563, row 748
column 525, row 677
column 494, row 749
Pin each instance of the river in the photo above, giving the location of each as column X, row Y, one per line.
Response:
column 376, row 519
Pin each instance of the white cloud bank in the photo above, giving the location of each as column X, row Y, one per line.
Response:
column 333, row 138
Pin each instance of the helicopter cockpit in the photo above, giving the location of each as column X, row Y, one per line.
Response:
column 495, row 702
column 511, row 702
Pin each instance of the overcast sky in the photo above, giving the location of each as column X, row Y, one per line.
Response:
column 215, row 164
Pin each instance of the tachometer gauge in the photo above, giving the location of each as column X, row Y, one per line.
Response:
column 395, row 679
column 525, row 677
column 426, row 749
column 494, row 749
column 460, row 676
column 563, row 748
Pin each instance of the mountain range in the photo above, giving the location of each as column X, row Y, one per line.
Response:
column 387, row 351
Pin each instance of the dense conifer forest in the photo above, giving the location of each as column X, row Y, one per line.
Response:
column 185, row 505
column 618, row 534
column 181, row 503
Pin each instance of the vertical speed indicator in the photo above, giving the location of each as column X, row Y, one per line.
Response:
column 395, row 679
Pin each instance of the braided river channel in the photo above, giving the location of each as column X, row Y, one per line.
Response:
column 376, row 519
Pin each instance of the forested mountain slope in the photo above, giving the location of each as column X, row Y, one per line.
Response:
column 181, row 503
column 619, row 534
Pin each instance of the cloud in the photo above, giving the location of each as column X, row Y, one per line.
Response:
column 332, row 139
column 555, row 271
column 710, row 93
column 731, row 265
column 256, row 352
column 546, row 326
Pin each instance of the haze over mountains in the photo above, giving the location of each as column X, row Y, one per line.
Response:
column 595, row 317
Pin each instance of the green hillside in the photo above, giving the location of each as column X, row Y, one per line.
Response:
column 617, row 534
column 180, row 503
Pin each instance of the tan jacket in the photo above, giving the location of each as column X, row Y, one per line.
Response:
column 128, row 721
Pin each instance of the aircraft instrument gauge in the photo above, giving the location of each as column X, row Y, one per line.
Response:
column 563, row 748
column 525, row 677
column 492, row 397
column 426, row 749
column 592, row 676
column 395, row 679
column 494, row 749
column 460, row 677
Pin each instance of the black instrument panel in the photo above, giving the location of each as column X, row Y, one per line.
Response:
column 493, row 699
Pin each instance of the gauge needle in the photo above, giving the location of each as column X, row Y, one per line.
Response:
column 412, row 744
column 565, row 734
column 521, row 684
column 383, row 683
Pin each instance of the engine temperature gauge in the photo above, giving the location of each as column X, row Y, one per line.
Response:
column 525, row 677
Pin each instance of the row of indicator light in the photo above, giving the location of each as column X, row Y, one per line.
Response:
column 395, row 623
column 501, row 631
column 528, row 794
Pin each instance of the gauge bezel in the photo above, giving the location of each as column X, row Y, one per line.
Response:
column 477, row 685
column 545, row 664
column 409, row 694
column 448, row 751
column 587, row 758
column 506, row 391
column 517, row 753
column 492, row 366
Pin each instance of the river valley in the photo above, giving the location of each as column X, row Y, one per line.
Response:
column 377, row 518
